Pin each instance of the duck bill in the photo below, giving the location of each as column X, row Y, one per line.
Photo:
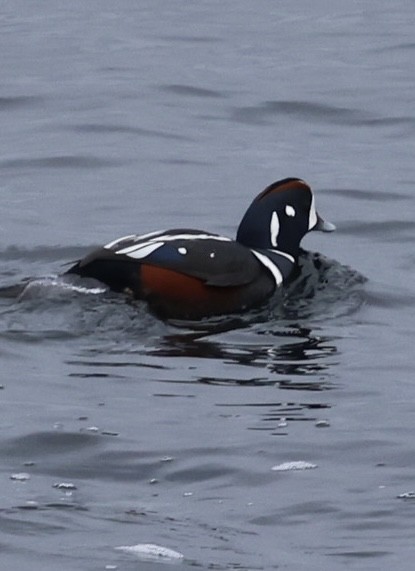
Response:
column 324, row 225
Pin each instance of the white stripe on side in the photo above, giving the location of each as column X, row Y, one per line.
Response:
column 265, row 261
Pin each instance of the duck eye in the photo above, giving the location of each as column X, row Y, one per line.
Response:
column 289, row 210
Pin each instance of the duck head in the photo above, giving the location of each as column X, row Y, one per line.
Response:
column 280, row 216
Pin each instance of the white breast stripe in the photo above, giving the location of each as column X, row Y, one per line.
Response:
column 270, row 266
column 274, row 228
column 280, row 253
column 312, row 218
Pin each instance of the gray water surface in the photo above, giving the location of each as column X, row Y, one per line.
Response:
column 128, row 118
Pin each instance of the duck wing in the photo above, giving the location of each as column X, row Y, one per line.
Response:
column 216, row 260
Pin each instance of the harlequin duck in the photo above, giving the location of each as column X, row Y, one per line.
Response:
column 189, row 274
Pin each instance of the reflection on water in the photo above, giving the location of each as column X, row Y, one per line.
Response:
column 302, row 364
column 307, row 355
column 274, row 417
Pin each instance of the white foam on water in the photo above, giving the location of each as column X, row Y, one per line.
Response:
column 289, row 466
column 20, row 477
column 150, row 551
column 58, row 284
column 406, row 496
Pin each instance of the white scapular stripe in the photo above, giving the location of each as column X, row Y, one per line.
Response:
column 137, row 252
column 274, row 228
column 265, row 261
column 312, row 218
column 131, row 237
column 142, row 247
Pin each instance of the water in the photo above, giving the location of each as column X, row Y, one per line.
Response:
column 151, row 115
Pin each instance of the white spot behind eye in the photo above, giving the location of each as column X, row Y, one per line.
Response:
column 274, row 228
column 182, row 251
column 290, row 210
column 212, row 255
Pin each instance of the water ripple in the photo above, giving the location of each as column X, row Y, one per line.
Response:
column 390, row 230
column 316, row 112
column 192, row 91
column 60, row 162
column 369, row 195
column 126, row 129
column 44, row 253
column 11, row 103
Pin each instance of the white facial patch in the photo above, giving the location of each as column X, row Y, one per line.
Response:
column 182, row 251
column 290, row 210
column 274, row 228
column 312, row 218
column 212, row 255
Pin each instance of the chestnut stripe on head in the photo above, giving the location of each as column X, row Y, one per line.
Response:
column 283, row 185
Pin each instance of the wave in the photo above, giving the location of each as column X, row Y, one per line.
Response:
column 68, row 305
